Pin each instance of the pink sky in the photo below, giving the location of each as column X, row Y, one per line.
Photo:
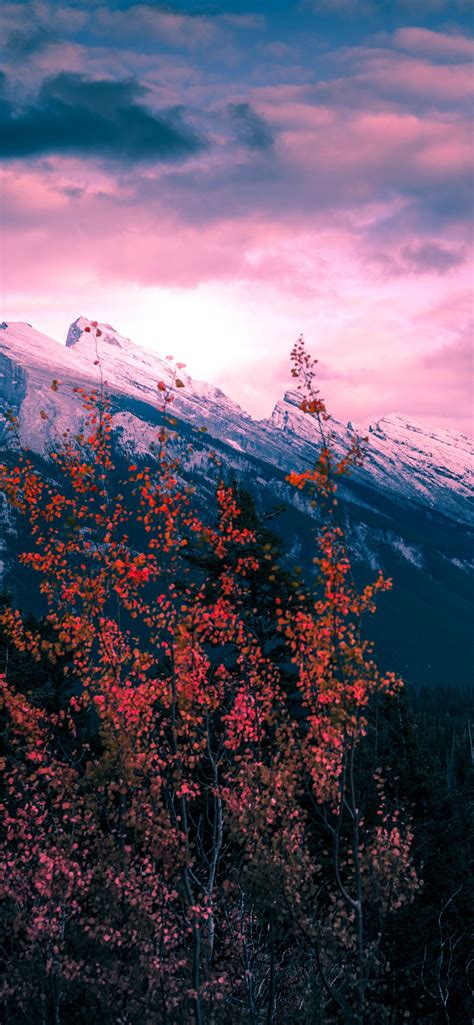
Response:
column 215, row 186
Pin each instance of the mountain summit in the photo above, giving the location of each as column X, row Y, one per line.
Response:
column 80, row 332
column 429, row 466
column 408, row 510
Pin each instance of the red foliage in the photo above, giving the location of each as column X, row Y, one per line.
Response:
column 173, row 804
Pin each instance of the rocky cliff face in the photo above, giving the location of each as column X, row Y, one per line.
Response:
column 408, row 510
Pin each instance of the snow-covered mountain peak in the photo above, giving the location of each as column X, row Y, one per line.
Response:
column 431, row 466
column 293, row 398
column 81, row 333
column 407, row 509
column 398, row 426
column 124, row 366
column 447, row 453
column 288, row 417
column 134, row 370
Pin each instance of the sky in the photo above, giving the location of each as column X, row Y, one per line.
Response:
column 215, row 179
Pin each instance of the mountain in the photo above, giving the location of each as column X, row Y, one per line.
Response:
column 407, row 510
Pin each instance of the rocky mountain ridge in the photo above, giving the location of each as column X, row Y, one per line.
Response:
column 408, row 510
column 432, row 467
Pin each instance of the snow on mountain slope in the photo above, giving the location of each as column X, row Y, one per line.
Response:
column 433, row 460
column 132, row 370
column 29, row 362
column 431, row 467
column 34, row 350
column 406, row 511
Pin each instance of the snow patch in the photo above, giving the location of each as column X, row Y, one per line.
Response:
column 410, row 552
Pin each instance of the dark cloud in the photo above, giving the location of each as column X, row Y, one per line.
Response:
column 430, row 256
column 101, row 118
column 73, row 191
column 422, row 257
column 251, row 129
column 23, row 43
column 435, row 206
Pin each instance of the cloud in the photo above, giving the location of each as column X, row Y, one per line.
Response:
column 243, row 21
column 159, row 24
column 59, row 18
column 252, row 130
column 379, row 76
column 398, row 257
column 346, row 8
column 427, row 7
column 434, row 44
column 151, row 25
column 383, row 9
column 334, row 197
column 256, row 281
column 456, row 359
column 447, row 375
column 329, row 161
column 430, row 256
column 73, row 114
column 23, row 43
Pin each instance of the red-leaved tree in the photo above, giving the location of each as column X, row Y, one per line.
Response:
column 185, row 838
